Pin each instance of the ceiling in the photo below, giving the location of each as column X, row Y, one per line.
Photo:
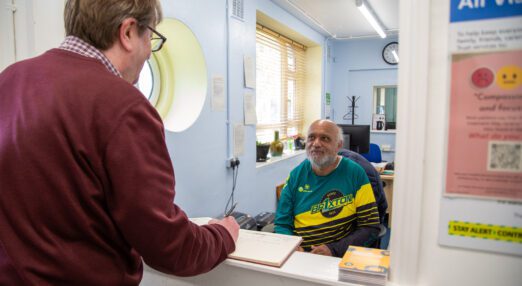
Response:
column 341, row 19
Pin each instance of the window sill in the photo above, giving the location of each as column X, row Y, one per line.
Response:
column 286, row 155
column 392, row 131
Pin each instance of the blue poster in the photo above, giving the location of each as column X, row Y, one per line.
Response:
column 471, row 10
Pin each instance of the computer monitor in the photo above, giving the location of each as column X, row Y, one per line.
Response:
column 356, row 137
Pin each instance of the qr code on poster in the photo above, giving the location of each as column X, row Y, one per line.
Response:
column 505, row 156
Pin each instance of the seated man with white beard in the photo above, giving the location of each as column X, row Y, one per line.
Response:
column 327, row 199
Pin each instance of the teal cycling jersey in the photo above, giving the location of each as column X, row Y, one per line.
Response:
column 326, row 209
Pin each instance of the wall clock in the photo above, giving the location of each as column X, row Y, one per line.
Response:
column 387, row 53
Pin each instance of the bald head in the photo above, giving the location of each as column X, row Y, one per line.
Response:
column 323, row 141
column 330, row 126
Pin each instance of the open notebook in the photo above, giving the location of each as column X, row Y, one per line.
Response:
column 261, row 247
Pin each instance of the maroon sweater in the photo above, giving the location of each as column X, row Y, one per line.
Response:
column 86, row 182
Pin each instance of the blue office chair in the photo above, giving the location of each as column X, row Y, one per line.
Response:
column 374, row 154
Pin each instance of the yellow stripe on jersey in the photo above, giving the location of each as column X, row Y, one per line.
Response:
column 309, row 219
column 364, row 195
column 326, row 227
column 369, row 213
column 327, row 236
column 307, row 242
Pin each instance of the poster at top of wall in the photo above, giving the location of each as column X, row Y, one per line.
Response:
column 482, row 204
column 480, row 25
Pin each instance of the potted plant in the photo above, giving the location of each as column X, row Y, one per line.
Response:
column 262, row 151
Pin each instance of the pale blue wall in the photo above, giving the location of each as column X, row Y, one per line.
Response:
column 203, row 184
column 357, row 66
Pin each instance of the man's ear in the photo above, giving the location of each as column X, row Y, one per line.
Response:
column 126, row 32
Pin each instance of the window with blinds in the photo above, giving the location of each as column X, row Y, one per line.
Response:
column 280, row 76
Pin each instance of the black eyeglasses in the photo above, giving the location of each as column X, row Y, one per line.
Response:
column 157, row 40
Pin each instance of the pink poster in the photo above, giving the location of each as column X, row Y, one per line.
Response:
column 485, row 126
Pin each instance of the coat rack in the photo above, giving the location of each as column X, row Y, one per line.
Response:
column 351, row 109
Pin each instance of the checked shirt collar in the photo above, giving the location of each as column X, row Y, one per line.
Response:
column 79, row 46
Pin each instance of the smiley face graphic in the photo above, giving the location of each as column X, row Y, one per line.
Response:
column 482, row 77
column 509, row 77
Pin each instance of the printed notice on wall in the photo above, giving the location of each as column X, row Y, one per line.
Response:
column 485, row 124
column 218, row 93
column 485, row 25
column 327, row 106
column 485, row 127
column 482, row 203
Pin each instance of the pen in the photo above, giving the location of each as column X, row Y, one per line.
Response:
column 231, row 210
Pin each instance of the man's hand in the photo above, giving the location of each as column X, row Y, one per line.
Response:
column 300, row 249
column 322, row 250
column 230, row 224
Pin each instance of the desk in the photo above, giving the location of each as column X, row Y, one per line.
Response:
column 388, row 190
column 301, row 269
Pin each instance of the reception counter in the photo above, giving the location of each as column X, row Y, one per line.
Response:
column 301, row 269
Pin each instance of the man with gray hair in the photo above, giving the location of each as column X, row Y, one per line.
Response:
column 86, row 181
column 327, row 199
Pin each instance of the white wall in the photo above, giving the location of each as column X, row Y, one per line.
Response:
column 39, row 27
column 7, row 47
column 48, row 27
column 423, row 80
column 474, row 267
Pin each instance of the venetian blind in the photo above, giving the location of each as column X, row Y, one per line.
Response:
column 280, row 80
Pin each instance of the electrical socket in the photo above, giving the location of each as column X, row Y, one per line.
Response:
column 232, row 162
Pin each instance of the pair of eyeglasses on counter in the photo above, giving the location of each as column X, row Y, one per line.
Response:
column 157, row 40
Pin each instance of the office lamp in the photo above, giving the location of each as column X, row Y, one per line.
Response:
column 370, row 16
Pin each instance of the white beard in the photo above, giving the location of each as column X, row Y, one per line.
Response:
column 322, row 162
